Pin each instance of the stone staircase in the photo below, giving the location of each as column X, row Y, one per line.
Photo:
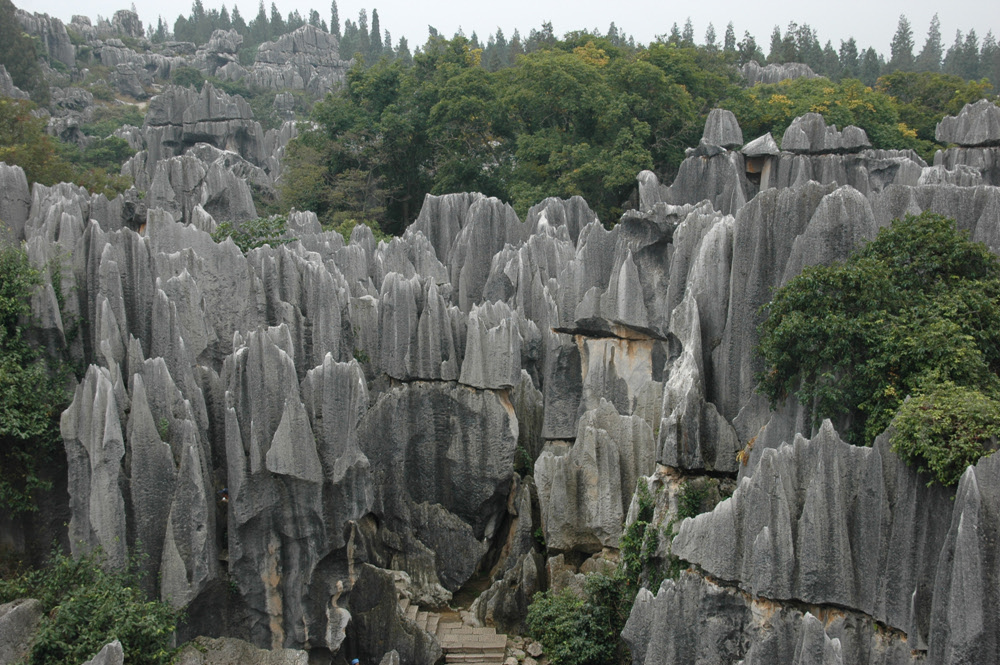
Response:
column 460, row 642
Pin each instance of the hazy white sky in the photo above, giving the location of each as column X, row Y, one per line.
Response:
column 870, row 23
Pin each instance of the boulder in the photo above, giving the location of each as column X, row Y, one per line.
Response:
column 226, row 650
column 110, row 654
column 976, row 125
column 810, row 134
column 19, row 622
column 762, row 146
column 722, row 129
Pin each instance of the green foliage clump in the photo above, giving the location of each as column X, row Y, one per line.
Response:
column 575, row 117
column 86, row 607
column 32, row 393
column 572, row 630
column 692, row 498
column 23, row 142
column 346, row 226
column 107, row 118
column 924, row 98
column 771, row 108
column 947, row 429
column 254, row 233
column 915, row 312
column 186, row 77
column 585, row 631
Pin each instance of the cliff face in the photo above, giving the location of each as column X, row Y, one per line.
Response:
column 286, row 432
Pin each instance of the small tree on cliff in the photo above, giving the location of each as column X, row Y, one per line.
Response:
column 916, row 312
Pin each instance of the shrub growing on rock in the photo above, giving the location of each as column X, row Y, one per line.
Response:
column 87, row 607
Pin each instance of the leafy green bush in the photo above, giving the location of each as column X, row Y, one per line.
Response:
column 187, row 76
column 108, row 118
column 946, row 430
column 87, row 607
column 346, row 226
column 915, row 312
column 254, row 233
column 572, row 630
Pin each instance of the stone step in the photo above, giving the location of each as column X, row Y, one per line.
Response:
column 404, row 603
column 432, row 623
column 465, row 647
column 421, row 620
column 472, row 658
column 411, row 612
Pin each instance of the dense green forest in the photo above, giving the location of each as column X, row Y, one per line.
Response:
column 580, row 117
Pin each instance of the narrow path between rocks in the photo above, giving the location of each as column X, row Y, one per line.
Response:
column 460, row 642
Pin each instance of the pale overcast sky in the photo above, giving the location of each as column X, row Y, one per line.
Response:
column 870, row 23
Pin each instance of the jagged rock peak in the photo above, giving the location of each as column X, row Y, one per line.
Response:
column 762, row 146
column 977, row 125
column 224, row 41
column 319, row 48
column 774, row 73
column 810, row 134
column 7, row 87
column 722, row 129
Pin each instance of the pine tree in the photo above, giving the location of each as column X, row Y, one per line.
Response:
column 334, row 20
column 160, row 35
column 849, row 64
column 687, row 37
column 260, row 29
column 277, row 23
column 403, row 52
column 901, row 48
column 675, row 34
column 774, row 53
column 989, row 60
column 962, row 58
column 710, row 37
column 929, row 59
column 871, row 67
column 364, row 42
column 375, row 41
column 516, row 47
column 729, row 41
column 748, row 50
column 830, row 66
column 239, row 25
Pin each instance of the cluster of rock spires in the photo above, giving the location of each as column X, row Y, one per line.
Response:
column 183, row 123
column 295, row 434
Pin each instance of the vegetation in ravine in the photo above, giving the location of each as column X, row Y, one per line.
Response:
column 254, row 233
column 23, row 142
column 586, row 630
column 32, row 390
column 85, row 606
column 915, row 312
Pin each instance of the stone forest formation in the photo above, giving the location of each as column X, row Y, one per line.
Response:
column 307, row 438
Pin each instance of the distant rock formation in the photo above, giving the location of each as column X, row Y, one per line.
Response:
column 753, row 73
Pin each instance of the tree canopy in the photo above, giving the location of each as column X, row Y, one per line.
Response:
column 916, row 312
